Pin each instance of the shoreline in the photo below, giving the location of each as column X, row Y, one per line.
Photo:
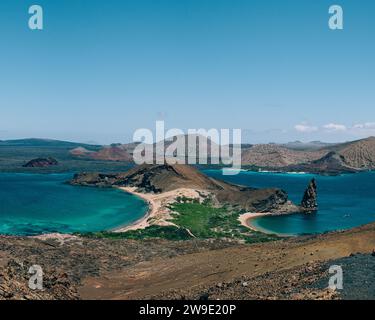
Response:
column 245, row 220
column 157, row 210
column 141, row 223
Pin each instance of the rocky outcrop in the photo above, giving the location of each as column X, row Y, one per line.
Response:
column 309, row 201
column 41, row 163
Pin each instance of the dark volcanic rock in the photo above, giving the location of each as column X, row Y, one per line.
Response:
column 357, row 270
column 94, row 179
column 41, row 163
column 309, row 201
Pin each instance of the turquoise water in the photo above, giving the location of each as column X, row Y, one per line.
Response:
column 345, row 201
column 32, row 204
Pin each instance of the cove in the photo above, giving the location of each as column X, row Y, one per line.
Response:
column 32, row 204
column 345, row 201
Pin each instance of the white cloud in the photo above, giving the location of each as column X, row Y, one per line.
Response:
column 358, row 130
column 303, row 127
column 367, row 125
column 335, row 127
column 363, row 129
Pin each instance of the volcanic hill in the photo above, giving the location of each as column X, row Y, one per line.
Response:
column 163, row 178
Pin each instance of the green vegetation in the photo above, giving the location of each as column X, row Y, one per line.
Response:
column 203, row 220
column 206, row 221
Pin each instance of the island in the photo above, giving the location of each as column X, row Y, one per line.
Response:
column 41, row 163
column 182, row 197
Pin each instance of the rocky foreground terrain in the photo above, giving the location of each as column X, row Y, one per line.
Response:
column 82, row 268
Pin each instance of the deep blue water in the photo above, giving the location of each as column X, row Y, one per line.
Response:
column 345, row 201
column 33, row 204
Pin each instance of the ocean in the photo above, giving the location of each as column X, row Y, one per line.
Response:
column 33, row 204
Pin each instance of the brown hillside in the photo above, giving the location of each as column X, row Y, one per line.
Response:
column 80, row 152
column 274, row 156
column 112, row 153
column 359, row 154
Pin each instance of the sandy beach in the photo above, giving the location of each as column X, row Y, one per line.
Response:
column 158, row 213
column 245, row 218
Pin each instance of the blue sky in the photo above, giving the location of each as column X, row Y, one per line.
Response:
column 101, row 69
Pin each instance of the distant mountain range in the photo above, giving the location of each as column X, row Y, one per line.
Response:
column 277, row 156
column 316, row 157
column 34, row 142
column 330, row 158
